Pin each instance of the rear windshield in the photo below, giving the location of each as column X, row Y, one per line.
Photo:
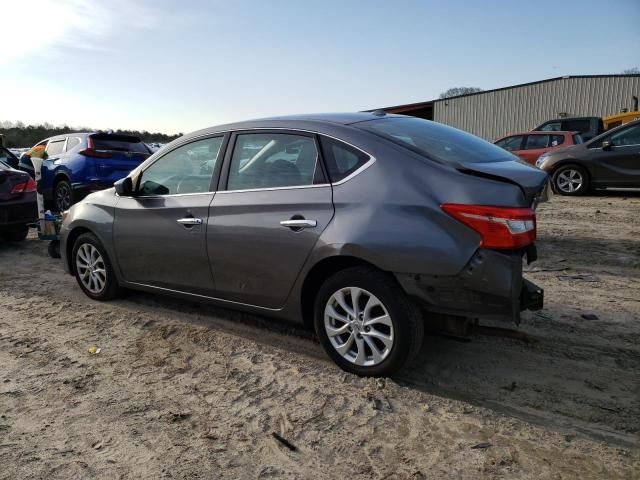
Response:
column 122, row 143
column 436, row 141
column 6, row 156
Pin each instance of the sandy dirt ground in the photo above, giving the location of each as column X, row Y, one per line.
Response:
column 183, row 390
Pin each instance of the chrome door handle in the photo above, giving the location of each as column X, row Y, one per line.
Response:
column 299, row 223
column 189, row 221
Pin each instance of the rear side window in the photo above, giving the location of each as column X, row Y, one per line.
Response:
column 122, row 143
column 556, row 140
column 273, row 160
column 536, row 141
column 341, row 159
column 576, row 125
column 436, row 141
column 55, row 147
column 72, row 142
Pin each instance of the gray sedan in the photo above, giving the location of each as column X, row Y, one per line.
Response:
column 361, row 225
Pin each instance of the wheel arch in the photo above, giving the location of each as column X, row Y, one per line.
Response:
column 58, row 175
column 322, row 270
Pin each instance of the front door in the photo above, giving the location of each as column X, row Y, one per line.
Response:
column 619, row 165
column 264, row 226
column 160, row 232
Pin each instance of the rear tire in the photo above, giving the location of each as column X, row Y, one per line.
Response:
column 92, row 269
column 63, row 196
column 570, row 180
column 16, row 235
column 366, row 323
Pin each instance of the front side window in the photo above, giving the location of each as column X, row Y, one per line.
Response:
column 628, row 136
column 511, row 143
column 435, row 141
column 272, row 160
column 551, row 127
column 341, row 159
column 187, row 169
column 55, row 147
column 536, row 141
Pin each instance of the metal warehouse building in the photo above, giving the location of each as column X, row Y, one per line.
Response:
column 493, row 113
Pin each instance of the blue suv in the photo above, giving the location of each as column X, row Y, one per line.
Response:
column 76, row 164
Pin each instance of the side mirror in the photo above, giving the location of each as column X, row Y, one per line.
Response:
column 606, row 145
column 124, row 187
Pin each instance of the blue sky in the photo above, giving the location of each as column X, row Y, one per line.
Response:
column 178, row 66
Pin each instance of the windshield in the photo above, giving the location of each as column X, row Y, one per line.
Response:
column 436, row 141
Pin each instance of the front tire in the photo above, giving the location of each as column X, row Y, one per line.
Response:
column 570, row 180
column 366, row 323
column 92, row 269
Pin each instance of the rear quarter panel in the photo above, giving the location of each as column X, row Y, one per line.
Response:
column 390, row 213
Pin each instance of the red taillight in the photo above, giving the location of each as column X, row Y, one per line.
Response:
column 499, row 227
column 92, row 152
column 24, row 187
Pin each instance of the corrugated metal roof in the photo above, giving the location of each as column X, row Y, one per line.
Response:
column 409, row 106
column 494, row 113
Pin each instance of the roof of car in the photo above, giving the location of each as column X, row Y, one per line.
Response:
column 309, row 120
column 540, row 132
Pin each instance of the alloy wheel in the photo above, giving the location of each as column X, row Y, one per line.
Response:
column 90, row 268
column 63, row 196
column 359, row 326
column 569, row 181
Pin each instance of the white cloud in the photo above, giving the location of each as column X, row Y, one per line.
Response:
column 35, row 26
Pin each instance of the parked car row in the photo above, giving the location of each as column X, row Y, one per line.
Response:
column 77, row 164
column 17, row 199
column 608, row 160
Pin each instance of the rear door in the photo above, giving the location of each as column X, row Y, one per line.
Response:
column 534, row 146
column 160, row 233
column 618, row 166
column 115, row 155
column 264, row 225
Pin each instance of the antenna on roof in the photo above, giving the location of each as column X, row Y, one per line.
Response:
column 379, row 113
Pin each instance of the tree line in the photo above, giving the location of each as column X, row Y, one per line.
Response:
column 18, row 135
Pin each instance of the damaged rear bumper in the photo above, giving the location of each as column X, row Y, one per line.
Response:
column 490, row 286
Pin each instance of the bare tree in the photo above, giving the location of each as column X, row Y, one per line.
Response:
column 630, row 71
column 455, row 91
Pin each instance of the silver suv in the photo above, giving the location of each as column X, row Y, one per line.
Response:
column 358, row 224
